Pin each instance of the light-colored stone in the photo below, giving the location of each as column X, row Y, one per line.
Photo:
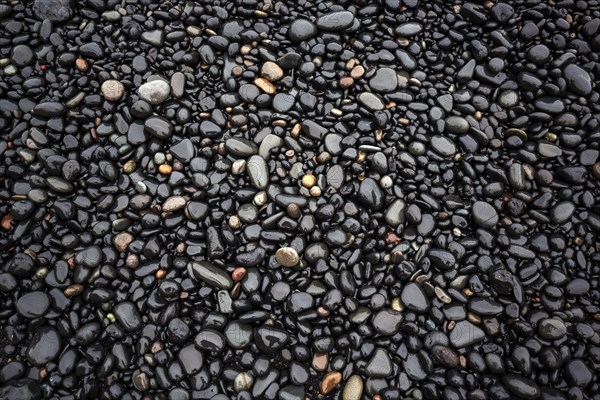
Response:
column 154, row 92
column 271, row 71
column 287, row 256
column 112, row 90
column 122, row 240
column 353, row 389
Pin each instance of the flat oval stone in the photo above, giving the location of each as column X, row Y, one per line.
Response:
column 33, row 304
column 578, row 80
column 335, row 21
column 256, row 167
column 154, row 92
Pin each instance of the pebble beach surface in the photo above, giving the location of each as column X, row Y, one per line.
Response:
column 290, row 200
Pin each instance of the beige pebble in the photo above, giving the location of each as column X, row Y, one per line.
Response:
column 174, row 203
column 265, row 85
column 112, row 90
column 271, row 71
column 287, row 256
column 122, row 240
column 353, row 389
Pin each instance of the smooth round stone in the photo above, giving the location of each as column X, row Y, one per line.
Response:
column 33, row 304
column 301, row 30
column 443, row 146
column 21, row 55
column 385, row 80
column 269, row 339
column 484, row 214
column 551, row 329
column 154, row 92
column 238, row 335
column 562, row 212
column 457, row 125
column 89, row 257
column 508, row 98
column 578, row 80
column 53, row 10
column 112, row 90
column 155, row 37
column 409, row 29
column 267, row 144
column 45, row 345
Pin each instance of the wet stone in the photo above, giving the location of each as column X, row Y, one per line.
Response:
column 128, row 315
column 210, row 274
column 551, row 329
column 33, row 304
column 387, row 322
column 44, row 347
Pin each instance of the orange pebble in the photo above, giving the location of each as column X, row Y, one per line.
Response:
column 165, row 169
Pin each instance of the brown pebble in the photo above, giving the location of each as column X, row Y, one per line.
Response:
column 271, row 71
column 391, row 238
column 238, row 274
column 161, row 273
column 82, row 65
column 330, row 381
column 7, row 222
column 265, row 85
column 322, row 312
column 122, row 240
column 596, row 169
column 293, row 211
column 74, row 290
column 320, row 361
column 357, row 72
